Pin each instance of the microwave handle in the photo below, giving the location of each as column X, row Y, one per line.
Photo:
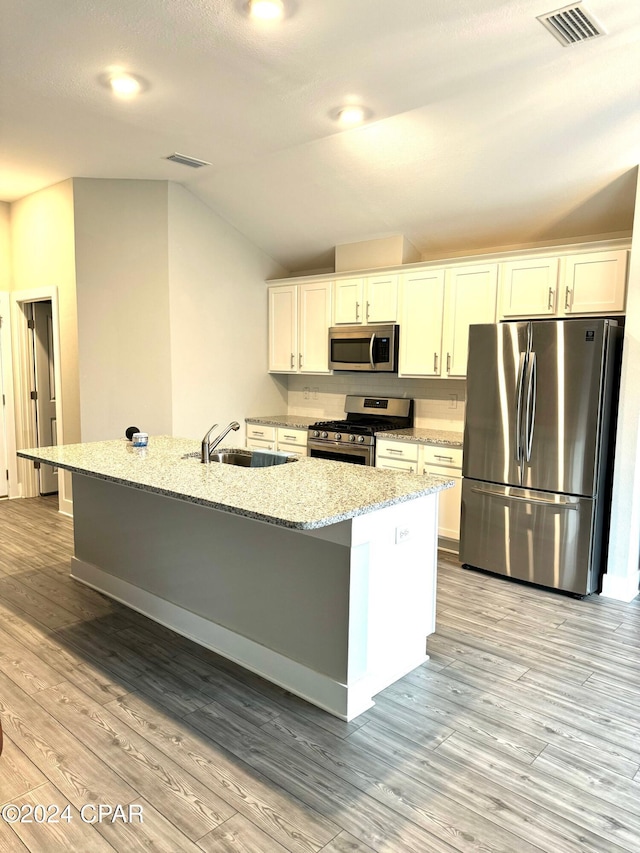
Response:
column 371, row 342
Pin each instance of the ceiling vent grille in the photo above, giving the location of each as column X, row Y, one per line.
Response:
column 192, row 162
column 572, row 24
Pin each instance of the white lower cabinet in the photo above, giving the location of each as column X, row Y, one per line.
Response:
column 286, row 439
column 437, row 460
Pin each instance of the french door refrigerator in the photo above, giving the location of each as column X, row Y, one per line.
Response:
column 537, row 457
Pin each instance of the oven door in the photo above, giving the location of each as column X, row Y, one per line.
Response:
column 338, row 451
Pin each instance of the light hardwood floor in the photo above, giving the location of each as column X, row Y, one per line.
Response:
column 521, row 734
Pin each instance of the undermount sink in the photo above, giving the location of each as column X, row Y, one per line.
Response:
column 245, row 458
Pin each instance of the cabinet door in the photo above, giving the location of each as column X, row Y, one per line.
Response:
column 528, row 288
column 314, row 319
column 470, row 297
column 594, row 283
column 381, row 301
column 348, row 301
column 283, row 324
column 421, row 305
column 449, row 502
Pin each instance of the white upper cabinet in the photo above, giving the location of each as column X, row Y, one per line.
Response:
column 470, row 297
column 299, row 319
column 421, row 308
column 314, row 319
column 373, row 299
column 594, row 283
column 528, row 288
column 283, row 328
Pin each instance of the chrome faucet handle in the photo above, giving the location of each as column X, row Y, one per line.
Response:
column 204, row 450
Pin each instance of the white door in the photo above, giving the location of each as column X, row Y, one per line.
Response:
column 45, row 390
column 314, row 319
column 594, row 283
column 421, row 303
column 470, row 297
column 381, row 304
column 348, row 301
column 4, row 471
column 283, row 329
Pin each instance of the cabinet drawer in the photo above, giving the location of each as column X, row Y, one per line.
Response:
column 442, row 455
column 262, row 433
column 257, row 444
column 398, row 465
column 293, row 449
column 286, row 435
column 397, row 450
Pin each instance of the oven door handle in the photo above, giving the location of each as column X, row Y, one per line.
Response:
column 371, row 342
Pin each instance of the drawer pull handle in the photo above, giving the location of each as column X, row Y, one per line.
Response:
column 290, row 437
column 392, row 450
column 448, row 458
column 257, row 432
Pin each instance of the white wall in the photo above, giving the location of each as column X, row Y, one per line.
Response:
column 218, row 305
column 42, row 256
column 439, row 403
column 622, row 576
column 123, row 306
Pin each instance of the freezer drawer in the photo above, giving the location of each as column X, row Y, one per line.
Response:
column 533, row 536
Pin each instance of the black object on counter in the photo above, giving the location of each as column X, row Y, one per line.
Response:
column 130, row 432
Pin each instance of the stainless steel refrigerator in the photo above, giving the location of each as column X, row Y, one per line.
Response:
column 537, row 454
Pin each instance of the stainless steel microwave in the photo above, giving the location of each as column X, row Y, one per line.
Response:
column 372, row 348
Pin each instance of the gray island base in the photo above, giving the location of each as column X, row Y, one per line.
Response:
column 333, row 603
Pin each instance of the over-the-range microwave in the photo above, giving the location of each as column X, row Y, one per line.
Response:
column 372, row 348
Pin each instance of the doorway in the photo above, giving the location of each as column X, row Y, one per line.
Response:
column 38, row 411
column 43, row 392
column 4, row 467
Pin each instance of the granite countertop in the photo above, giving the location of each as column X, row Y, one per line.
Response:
column 305, row 495
column 293, row 421
column 424, row 435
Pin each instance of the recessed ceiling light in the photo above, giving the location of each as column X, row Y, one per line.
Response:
column 266, row 10
column 351, row 114
column 125, row 85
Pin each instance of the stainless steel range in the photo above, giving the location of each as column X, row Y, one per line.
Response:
column 354, row 439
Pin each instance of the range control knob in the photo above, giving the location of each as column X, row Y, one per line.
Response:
column 316, row 433
column 324, row 435
column 338, row 436
column 352, row 438
column 361, row 439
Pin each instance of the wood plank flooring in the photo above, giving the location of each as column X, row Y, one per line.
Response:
column 521, row 733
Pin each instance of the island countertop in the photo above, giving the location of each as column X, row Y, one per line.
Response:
column 304, row 495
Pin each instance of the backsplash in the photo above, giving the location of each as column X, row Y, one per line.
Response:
column 439, row 403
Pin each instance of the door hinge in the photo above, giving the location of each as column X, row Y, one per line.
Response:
column 36, row 464
column 34, row 395
column 4, row 400
column 31, row 323
column 7, row 473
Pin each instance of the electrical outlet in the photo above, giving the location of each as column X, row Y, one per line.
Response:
column 306, row 391
column 453, row 401
column 402, row 534
column 315, row 392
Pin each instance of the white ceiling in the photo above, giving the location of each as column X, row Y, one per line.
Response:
column 485, row 130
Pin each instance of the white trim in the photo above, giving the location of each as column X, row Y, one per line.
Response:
column 328, row 694
column 13, row 486
column 24, row 420
column 620, row 588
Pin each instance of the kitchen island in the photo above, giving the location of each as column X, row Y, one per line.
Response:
column 319, row 576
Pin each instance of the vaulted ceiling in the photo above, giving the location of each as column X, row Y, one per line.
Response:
column 483, row 131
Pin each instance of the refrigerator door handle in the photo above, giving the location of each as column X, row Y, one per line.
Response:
column 557, row 500
column 518, row 423
column 530, row 411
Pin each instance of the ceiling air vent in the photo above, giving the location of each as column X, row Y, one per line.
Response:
column 192, row 162
column 571, row 24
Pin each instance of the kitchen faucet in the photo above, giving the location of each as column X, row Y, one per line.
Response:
column 209, row 446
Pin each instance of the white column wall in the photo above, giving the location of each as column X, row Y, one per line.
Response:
column 5, row 246
column 123, row 306
column 218, row 306
column 622, row 576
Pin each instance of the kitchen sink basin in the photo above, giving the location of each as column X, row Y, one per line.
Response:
column 250, row 458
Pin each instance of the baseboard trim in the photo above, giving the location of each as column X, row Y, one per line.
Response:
column 620, row 588
column 341, row 700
